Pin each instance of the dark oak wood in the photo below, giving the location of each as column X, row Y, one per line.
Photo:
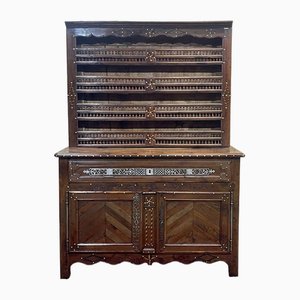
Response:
column 149, row 174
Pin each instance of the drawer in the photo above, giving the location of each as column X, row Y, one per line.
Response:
column 149, row 170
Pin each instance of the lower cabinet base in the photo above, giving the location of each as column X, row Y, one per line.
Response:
column 93, row 258
column 149, row 210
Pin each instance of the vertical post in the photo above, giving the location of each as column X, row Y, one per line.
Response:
column 72, row 94
column 226, row 90
column 63, row 218
column 233, row 263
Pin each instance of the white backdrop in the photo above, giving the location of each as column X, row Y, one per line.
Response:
column 265, row 107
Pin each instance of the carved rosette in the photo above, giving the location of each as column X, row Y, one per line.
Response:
column 150, row 57
column 150, row 112
column 150, row 85
column 150, row 139
column 210, row 33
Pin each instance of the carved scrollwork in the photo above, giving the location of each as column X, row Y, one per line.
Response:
column 149, row 258
column 149, row 32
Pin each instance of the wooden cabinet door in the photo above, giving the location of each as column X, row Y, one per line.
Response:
column 104, row 221
column 194, row 222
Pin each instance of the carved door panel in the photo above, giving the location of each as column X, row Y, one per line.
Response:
column 194, row 222
column 104, row 221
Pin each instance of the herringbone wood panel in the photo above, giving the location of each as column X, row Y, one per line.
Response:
column 104, row 222
column 192, row 222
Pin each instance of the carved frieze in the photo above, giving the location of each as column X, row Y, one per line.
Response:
column 149, row 171
column 150, row 32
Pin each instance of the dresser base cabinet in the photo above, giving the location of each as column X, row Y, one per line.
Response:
column 149, row 208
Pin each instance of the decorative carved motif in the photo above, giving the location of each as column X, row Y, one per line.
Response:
column 122, row 32
column 149, row 240
column 150, row 57
column 151, row 32
column 71, row 95
column 150, row 139
column 224, row 176
column 226, row 95
column 210, row 33
column 149, row 201
column 149, row 171
column 150, row 112
column 95, row 172
column 149, row 205
column 149, row 259
column 136, row 218
column 150, row 85
column 176, row 32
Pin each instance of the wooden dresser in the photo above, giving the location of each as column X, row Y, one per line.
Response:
column 149, row 174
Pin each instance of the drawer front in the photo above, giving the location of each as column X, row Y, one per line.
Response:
column 200, row 170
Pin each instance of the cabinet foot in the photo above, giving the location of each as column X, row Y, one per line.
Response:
column 65, row 272
column 233, row 269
